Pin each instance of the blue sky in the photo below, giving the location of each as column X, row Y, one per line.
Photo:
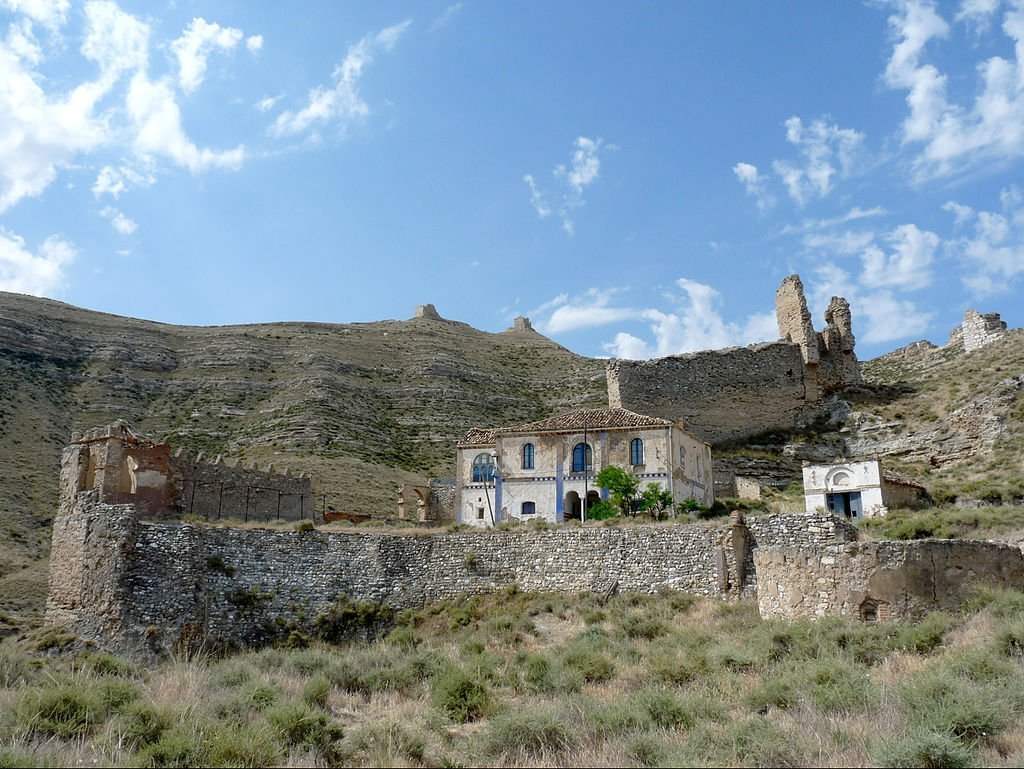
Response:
column 636, row 177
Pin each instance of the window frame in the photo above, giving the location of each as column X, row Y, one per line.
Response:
column 481, row 476
column 636, row 451
column 528, row 456
column 587, row 460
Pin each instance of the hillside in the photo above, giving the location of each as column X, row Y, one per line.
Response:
column 364, row 407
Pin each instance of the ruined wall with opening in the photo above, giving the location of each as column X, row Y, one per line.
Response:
column 881, row 580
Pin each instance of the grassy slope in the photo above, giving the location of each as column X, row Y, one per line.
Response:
column 535, row 680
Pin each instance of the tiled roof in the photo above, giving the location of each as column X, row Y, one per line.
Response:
column 903, row 480
column 479, row 437
column 592, row 419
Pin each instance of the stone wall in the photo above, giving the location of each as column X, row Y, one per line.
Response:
column 216, row 490
column 720, row 395
column 881, row 580
column 730, row 394
column 979, row 330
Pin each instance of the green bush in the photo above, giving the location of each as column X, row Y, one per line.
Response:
column 780, row 692
column 926, row 635
column 936, row 701
column 386, row 744
column 65, row 710
column 317, row 690
column 643, row 626
column 528, row 734
column 936, row 750
column 296, row 723
column 143, row 723
column 663, row 708
column 348, row 620
column 460, row 697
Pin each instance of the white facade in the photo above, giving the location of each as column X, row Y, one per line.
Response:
column 861, row 489
column 534, row 477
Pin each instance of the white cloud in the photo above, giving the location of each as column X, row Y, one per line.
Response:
column 879, row 316
column 196, row 43
column 267, row 103
column 119, row 221
column 993, row 254
column 113, row 181
column 40, row 133
column 961, row 213
column 52, row 14
column 820, row 146
column 446, row 15
column 907, row 265
column 340, row 104
column 755, row 184
column 41, row 273
column 117, row 41
column 254, row 43
column 955, row 136
column 848, row 242
column 157, row 119
column 591, row 309
column 571, row 181
column 811, row 225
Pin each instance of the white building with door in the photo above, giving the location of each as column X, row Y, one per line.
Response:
column 547, row 470
column 858, row 489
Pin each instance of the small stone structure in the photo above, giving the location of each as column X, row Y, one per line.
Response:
column 426, row 311
column 859, row 489
column 977, row 330
column 734, row 393
column 521, row 323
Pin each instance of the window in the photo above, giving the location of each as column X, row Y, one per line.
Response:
column 527, row 456
column 682, row 457
column 483, row 468
column 582, row 458
column 636, row 452
column 529, row 508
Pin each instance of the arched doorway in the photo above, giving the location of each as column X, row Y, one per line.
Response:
column 573, row 507
column 593, row 497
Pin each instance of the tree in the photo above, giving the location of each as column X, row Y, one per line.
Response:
column 655, row 500
column 622, row 486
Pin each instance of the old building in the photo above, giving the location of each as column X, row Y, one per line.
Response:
column 547, row 470
column 861, row 489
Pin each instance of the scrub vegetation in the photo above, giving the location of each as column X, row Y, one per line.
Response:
column 516, row 679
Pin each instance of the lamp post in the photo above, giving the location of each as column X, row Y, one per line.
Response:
column 586, row 487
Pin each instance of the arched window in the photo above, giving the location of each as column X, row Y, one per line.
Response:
column 483, row 468
column 529, row 508
column 582, row 458
column 527, row 456
column 636, row 452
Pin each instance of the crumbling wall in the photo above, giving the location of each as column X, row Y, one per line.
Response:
column 879, row 581
column 216, row 490
column 979, row 330
column 720, row 395
column 724, row 395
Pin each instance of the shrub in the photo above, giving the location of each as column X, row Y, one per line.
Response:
column 143, row 723
column 528, row 734
column 461, row 697
column 304, row 527
column 61, row 709
column 644, row 750
column 242, row 745
column 107, row 664
column 663, row 708
column 316, row 691
column 346, row 620
column 936, row 750
column 939, row 702
column 926, row 635
column 296, row 723
column 180, row 745
column 776, row 692
column 643, row 626
column 387, row 744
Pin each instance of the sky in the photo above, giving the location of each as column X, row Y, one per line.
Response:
column 637, row 178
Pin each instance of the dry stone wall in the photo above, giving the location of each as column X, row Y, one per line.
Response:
column 881, row 580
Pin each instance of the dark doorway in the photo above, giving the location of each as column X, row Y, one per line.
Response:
column 572, row 510
column 847, row 504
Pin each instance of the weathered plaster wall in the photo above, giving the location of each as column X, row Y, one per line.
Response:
column 720, row 395
column 888, row 579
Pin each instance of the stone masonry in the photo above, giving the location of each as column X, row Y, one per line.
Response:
column 979, row 330
column 724, row 395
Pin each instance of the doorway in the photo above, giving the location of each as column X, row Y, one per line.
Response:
column 573, row 507
column 847, row 504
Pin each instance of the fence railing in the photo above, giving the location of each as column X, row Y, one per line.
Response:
column 217, row 500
